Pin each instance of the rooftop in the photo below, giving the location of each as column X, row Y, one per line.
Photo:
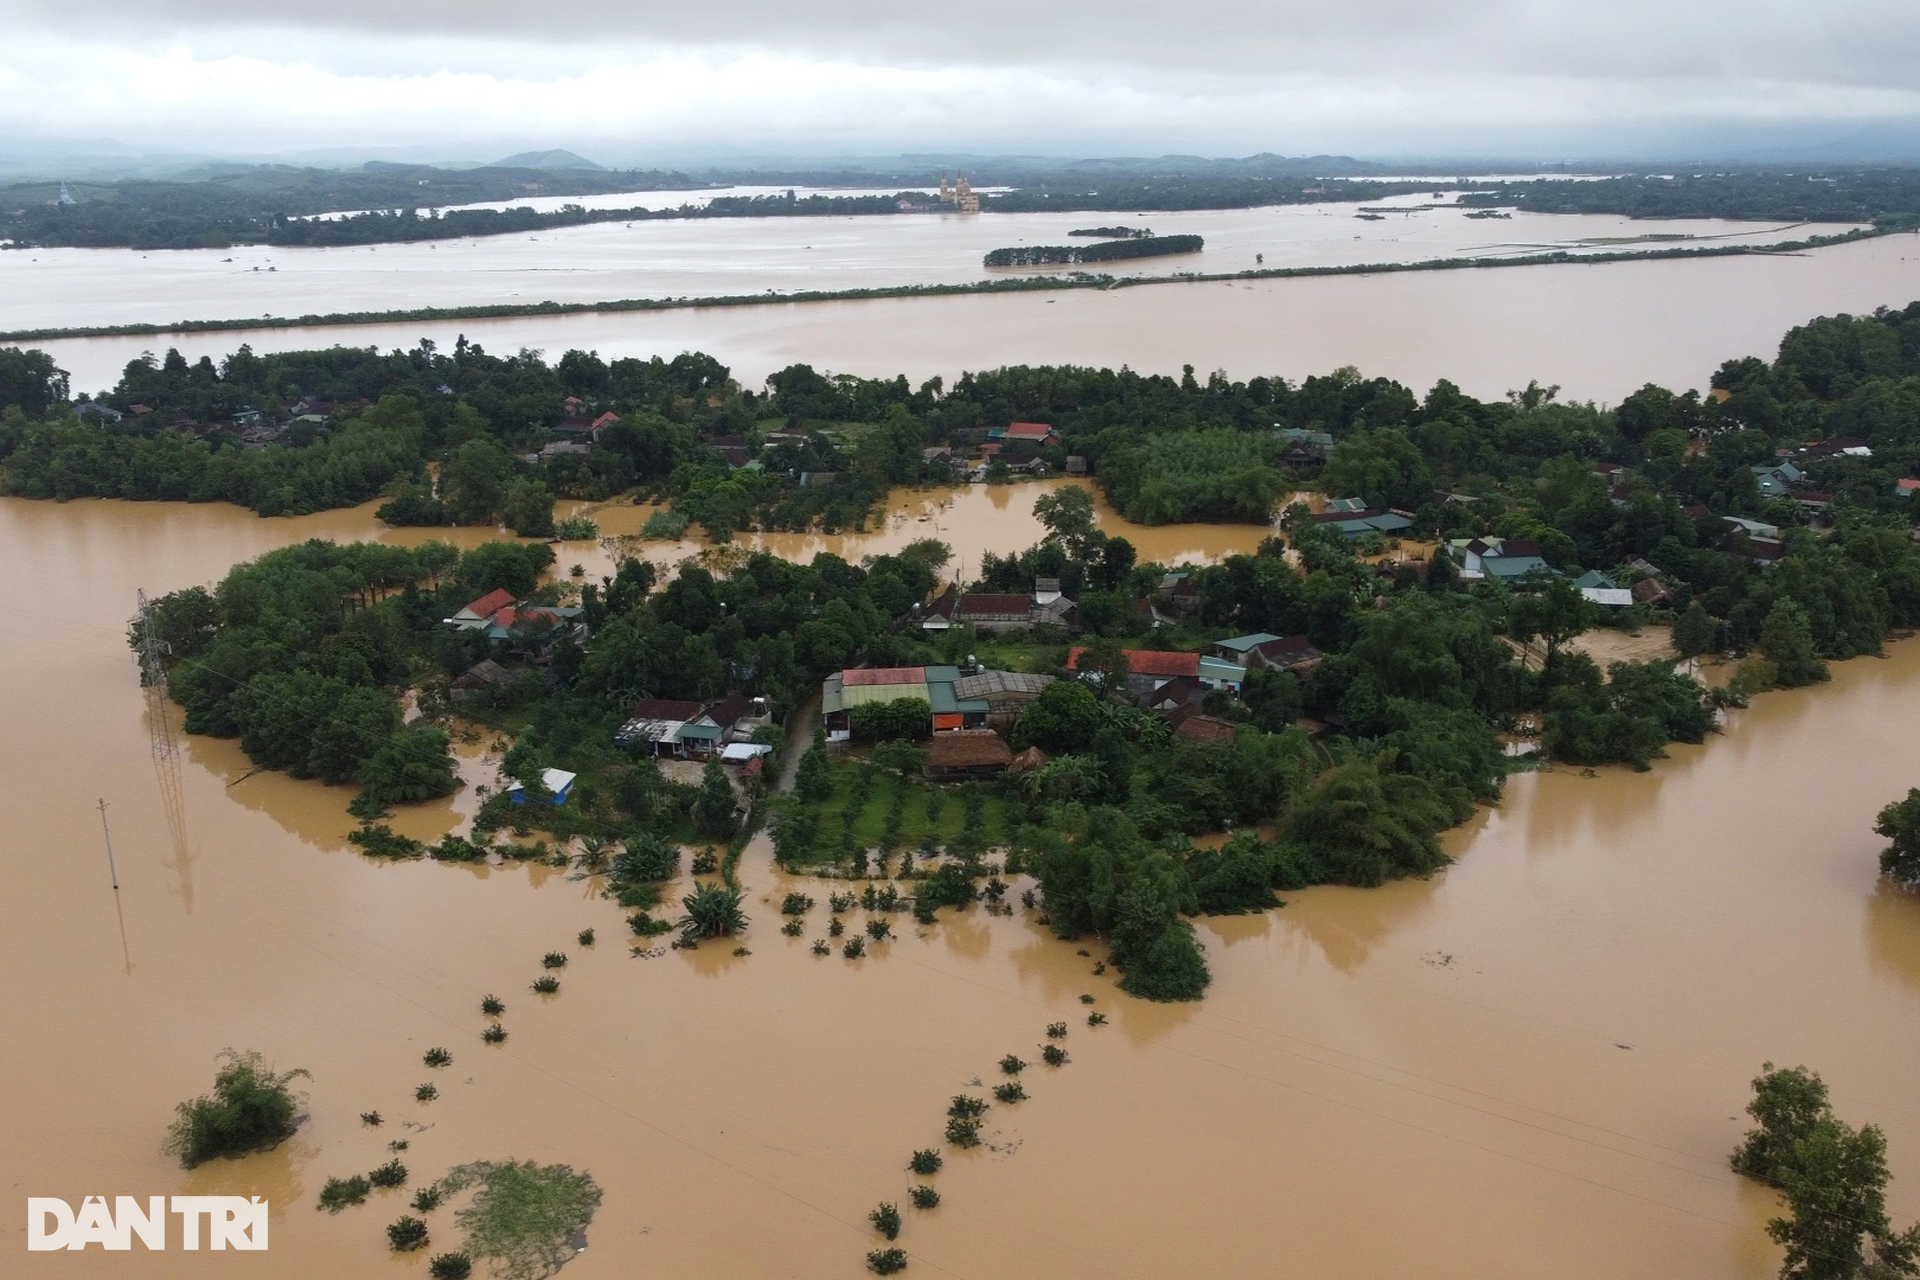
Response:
column 968, row 749
column 1147, row 662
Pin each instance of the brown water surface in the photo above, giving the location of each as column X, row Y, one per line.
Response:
column 1530, row 1065
column 1597, row 331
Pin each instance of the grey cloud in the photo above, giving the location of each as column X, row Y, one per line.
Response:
column 1854, row 42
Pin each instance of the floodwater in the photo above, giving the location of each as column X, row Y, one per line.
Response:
column 1597, row 331
column 43, row 288
column 970, row 519
column 1533, row 1064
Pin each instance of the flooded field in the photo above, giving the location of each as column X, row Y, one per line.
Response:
column 740, row 256
column 1597, row 331
column 1532, row 1064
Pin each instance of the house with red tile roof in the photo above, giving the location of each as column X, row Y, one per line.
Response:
column 1037, row 434
column 477, row 614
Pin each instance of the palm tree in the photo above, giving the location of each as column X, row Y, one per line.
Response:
column 713, row 911
column 593, row 855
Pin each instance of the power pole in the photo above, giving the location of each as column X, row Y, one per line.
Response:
column 111, row 870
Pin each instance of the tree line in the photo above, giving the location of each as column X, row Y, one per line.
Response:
column 1042, row 255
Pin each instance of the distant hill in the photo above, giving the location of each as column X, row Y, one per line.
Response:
column 547, row 160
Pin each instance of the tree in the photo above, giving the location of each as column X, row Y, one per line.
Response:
column 895, row 718
column 526, row 507
column 1370, row 825
column 473, row 481
column 1833, row 1179
column 813, row 777
column 1835, row 1187
column 714, row 810
column 413, row 765
column 1169, row 967
column 1555, row 614
column 1899, row 822
column 513, row 566
column 1695, row 631
column 252, row 1108
column 1786, row 638
column 1067, row 514
column 902, row 759
column 1787, row 1103
column 1064, row 718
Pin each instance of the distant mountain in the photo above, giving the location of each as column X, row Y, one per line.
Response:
column 550, row 160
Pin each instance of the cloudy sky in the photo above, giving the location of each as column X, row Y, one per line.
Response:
column 629, row 79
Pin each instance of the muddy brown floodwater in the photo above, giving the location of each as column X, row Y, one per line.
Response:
column 1530, row 1065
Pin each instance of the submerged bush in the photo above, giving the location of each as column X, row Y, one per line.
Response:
column 546, row 986
column 839, row 902
column 494, row 1034
column 492, row 1007
column 371, row 1119
column 923, row 1196
column 886, row 1262
column 853, row 948
column 1012, row 1065
column 1011, row 1091
column 886, row 1220
column 963, row 1131
column 794, row 928
column 584, row 937
column 1056, row 1030
column 377, row 840
column 836, row 926
column 713, row 911
column 338, row 1193
column 963, row 1105
column 795, row 904
column 407, row 1234
column 879, row 928
column 926, row 1162
column 645, row 926
column 644, row 894
column 250, row 1109
column 554, row 960
column 437, row 1057
column 450, row 1266
column 1096, row 1019
column 1054, row 1055
column 822, row 947
column 427, row 1198
column 425, row 1093
column 390, row 1174
column 644, row 857
column 525, row 1216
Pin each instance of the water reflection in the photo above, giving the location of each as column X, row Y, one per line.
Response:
column 1347, row 925
column 1891, row 921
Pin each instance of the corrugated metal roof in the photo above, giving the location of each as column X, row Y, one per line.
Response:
column 990, row 684
column 883, row 675
column 860, row 695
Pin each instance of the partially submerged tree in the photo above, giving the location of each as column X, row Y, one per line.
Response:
column 1899, row 822
column 713, row 911
column 252, row 1108
column 525, row 1216
column 1833, row 1179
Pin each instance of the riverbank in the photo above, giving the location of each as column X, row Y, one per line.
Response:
column 1023, row 284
